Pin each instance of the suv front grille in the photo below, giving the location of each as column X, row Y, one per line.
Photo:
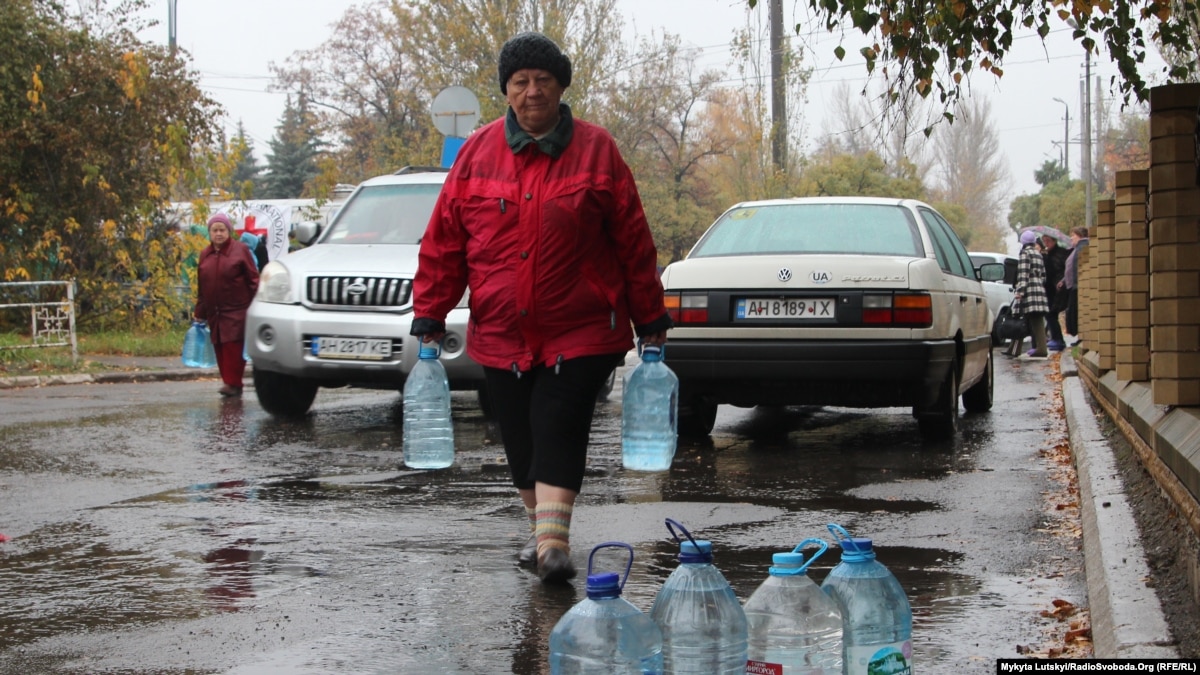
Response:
column 359, row 291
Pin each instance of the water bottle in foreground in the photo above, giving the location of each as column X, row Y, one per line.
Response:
column 876, row 616
column 702, row 622
column 794, row 626
column 649, row 408
column 428, row 429
column 605, row 634
column 198, row 351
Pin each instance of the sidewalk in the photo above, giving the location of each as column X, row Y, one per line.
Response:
column 1127, row 618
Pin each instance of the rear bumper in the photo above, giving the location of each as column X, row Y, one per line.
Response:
column 864, row 373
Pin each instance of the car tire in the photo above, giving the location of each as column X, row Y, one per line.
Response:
column 697, row 416
column 978, row 398
column 940, row 421
column 284, row 395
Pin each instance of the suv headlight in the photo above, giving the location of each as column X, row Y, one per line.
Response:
column 275, row 284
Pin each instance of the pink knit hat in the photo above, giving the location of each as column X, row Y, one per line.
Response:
column 221, row 218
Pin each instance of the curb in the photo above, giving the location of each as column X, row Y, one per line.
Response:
column 174, row 374
column 1127, row 618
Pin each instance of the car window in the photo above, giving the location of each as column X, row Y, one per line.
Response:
column 870, row 229
column 385, row 214
column 950, row 252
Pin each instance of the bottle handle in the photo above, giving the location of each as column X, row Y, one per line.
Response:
column 613, row 544
column 683, row 529
column 790, row 571
column 846, row 541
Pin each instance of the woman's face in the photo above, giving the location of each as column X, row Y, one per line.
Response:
column 218, row 234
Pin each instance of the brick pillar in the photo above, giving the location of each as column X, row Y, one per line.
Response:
column 1132, row 246
column 1089, row 296
column 1104, row 253
column 1174, row 246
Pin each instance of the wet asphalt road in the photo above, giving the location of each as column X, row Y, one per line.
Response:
column 158, row 529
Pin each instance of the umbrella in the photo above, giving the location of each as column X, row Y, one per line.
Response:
column 1045, row 231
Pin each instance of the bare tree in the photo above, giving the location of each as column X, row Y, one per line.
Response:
column 971, row 171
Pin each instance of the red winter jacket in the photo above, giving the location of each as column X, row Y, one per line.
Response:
column 228, row 278
column 556, row 251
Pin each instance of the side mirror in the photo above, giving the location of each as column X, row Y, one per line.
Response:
column 991, row 272
column 306, row 233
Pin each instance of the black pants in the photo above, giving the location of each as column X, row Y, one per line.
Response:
column 1053, row 327
column 545, row 418
column 1073, row 311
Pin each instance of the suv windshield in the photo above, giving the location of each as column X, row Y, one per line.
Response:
column 870, row 229
column 385, row 214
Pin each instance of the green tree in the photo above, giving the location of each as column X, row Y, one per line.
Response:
column 95, row 130
column 246, row 169
column 292, row 166
column 931, row 48
column 1051, row 172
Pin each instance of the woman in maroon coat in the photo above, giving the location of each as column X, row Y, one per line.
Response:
column 228, row 278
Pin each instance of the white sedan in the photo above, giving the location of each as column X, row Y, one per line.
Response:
column 846, row 301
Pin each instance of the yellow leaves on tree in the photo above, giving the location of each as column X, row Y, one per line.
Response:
column 34, row 94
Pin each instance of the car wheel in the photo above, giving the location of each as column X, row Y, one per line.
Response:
column 696, row 416
column 978, row 398
column 607, row 387
column 283, row 395
column 940, row 421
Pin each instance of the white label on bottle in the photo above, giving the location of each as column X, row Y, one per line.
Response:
column 763, row 668
column 891, row 659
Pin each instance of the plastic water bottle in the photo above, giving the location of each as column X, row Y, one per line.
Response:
column 649, row 409
column 794, row 626
column 702, row 622
column 876, row 616
column 604, row 633
column 198, row 351
column 428, row 429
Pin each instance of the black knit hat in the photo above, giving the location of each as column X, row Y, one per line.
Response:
column 533, row 50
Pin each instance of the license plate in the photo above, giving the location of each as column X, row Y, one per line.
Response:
column 366, row 349
column 750, row 309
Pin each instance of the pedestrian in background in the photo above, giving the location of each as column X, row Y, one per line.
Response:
column 227, row 280
column 1070, row 282
column 541, row 219
column 1029, row 299
column 1055, row 259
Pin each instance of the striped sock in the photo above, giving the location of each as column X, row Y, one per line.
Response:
column 553, row 526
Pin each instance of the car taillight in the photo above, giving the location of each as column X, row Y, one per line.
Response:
column 687, row 308
column 913, row 310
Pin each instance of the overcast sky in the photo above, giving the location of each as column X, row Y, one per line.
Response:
column 233, row 41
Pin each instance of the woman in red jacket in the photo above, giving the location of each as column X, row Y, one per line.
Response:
column 228, row 278
column 541, row 219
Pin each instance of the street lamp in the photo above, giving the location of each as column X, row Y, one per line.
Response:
column 1066, row 153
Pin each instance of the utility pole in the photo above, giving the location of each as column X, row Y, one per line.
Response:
column 778, row 98
column 1086, row 93
column 172, row 22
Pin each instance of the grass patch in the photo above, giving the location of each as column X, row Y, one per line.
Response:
column 57, row 360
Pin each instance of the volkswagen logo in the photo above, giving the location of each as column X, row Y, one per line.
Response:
column 784, row 274
column 357, row 287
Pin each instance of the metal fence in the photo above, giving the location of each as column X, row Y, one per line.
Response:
column 51, row 307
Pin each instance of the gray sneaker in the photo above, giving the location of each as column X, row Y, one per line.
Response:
column 555, row 567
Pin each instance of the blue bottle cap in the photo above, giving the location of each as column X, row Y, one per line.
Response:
column 857, row 549
column 698, row 552
column 788, row 559
column 429, row 350
column 651, row 353
column 604, row 585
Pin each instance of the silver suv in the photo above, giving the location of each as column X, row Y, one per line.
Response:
column 338, row 312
